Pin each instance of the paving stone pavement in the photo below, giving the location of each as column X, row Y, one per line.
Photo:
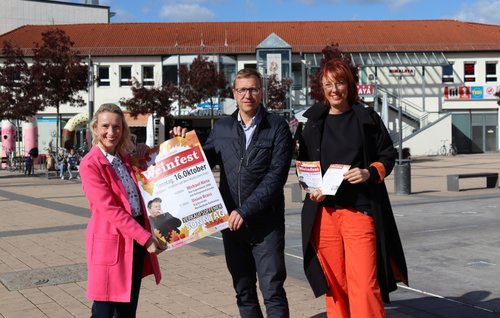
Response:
column 42, row 255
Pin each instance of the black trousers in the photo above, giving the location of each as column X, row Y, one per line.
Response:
column 110, row 309
column 249, row 257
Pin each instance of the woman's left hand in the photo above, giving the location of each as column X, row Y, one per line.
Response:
column 357, row 175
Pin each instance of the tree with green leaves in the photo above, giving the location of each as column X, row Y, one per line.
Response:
column 277, row 92
column 201, row 82
column 19, row 93
column 330, row 52
column 60, row 72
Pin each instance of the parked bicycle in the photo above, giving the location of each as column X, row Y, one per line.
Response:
column 451, row 150
column 14, row 162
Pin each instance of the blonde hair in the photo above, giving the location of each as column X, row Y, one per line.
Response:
column 125, row 145
column 246, row 73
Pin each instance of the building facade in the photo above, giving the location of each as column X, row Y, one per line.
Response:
column 16, row 13
column 433, row 81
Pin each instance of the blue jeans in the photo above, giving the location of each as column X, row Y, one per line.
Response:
column 61, row 169
column 248, row 258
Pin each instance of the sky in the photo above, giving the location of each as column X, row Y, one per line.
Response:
column 482, row 11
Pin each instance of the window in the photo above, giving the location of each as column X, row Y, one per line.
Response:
column 170, row 74
column 448, row 74
column 148, row 75
column 252, row 66
column 229, row 73
column 469, row 72
column 103, row 76
column 297, row 76
column 491, row 72
column 125, row 75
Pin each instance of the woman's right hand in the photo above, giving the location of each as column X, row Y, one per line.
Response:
column 317, row 196
column 153, row 246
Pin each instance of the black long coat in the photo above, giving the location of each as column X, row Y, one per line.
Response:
column 377, row 147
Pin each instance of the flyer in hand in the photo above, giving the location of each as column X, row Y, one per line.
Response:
column 180, row 193
column 310, row 179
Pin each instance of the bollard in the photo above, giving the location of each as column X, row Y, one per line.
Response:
column 402, row 176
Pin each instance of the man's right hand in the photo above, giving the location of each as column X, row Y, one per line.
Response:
column 178, row 131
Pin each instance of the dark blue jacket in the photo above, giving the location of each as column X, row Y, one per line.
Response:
column 252, row 180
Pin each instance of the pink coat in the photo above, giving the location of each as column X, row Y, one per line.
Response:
column 111, row 231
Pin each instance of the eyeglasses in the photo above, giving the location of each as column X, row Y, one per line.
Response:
column 338, row 85
column 243, row 91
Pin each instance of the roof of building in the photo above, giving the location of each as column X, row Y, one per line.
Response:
column 244, row 37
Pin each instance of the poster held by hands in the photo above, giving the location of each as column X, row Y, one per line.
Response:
column 180, row 193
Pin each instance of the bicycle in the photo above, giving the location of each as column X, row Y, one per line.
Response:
column 13, row 162
column 451, row 150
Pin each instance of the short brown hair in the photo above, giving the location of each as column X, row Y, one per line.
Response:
column 125, row 145
column 340, row 70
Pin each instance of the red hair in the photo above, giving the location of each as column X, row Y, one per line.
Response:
column 339, row 70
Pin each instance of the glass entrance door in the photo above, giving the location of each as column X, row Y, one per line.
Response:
column 475, row 132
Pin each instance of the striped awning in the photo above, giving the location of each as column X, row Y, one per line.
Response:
column 399, row 59
column 387, row 59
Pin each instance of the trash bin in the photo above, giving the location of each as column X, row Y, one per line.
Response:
column 402, row 176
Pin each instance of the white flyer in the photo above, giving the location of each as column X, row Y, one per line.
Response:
column 333, row 178
column 310, row 179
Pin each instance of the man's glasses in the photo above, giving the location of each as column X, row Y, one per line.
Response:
column 338, row 85
column 243, row 91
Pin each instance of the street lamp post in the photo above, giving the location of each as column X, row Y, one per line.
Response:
column 402, row 169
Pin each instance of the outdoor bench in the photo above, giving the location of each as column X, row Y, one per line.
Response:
column 491, row 179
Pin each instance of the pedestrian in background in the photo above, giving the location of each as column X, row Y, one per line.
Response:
column 253, row 148
column 61, row 162
column 119, row 244
column 351, row 246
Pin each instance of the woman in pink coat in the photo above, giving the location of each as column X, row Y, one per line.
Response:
column 119, row 244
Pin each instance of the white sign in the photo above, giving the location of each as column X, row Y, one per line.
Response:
column 402, row 71
column 274, row 65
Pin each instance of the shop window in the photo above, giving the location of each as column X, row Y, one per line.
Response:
column 148, row 75
column 103, row 76
column 448, row 74
column 469, row 72
column 491, row 72
column 125, row 75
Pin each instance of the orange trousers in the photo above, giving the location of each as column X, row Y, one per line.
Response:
column 346, row 246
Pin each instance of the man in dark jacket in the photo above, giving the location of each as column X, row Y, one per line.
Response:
column 253, row 149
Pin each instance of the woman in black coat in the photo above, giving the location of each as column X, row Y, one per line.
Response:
column 352, row 250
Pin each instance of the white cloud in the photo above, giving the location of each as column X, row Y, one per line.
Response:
column 186, row 12
column 483, row 11
column 391, row 3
